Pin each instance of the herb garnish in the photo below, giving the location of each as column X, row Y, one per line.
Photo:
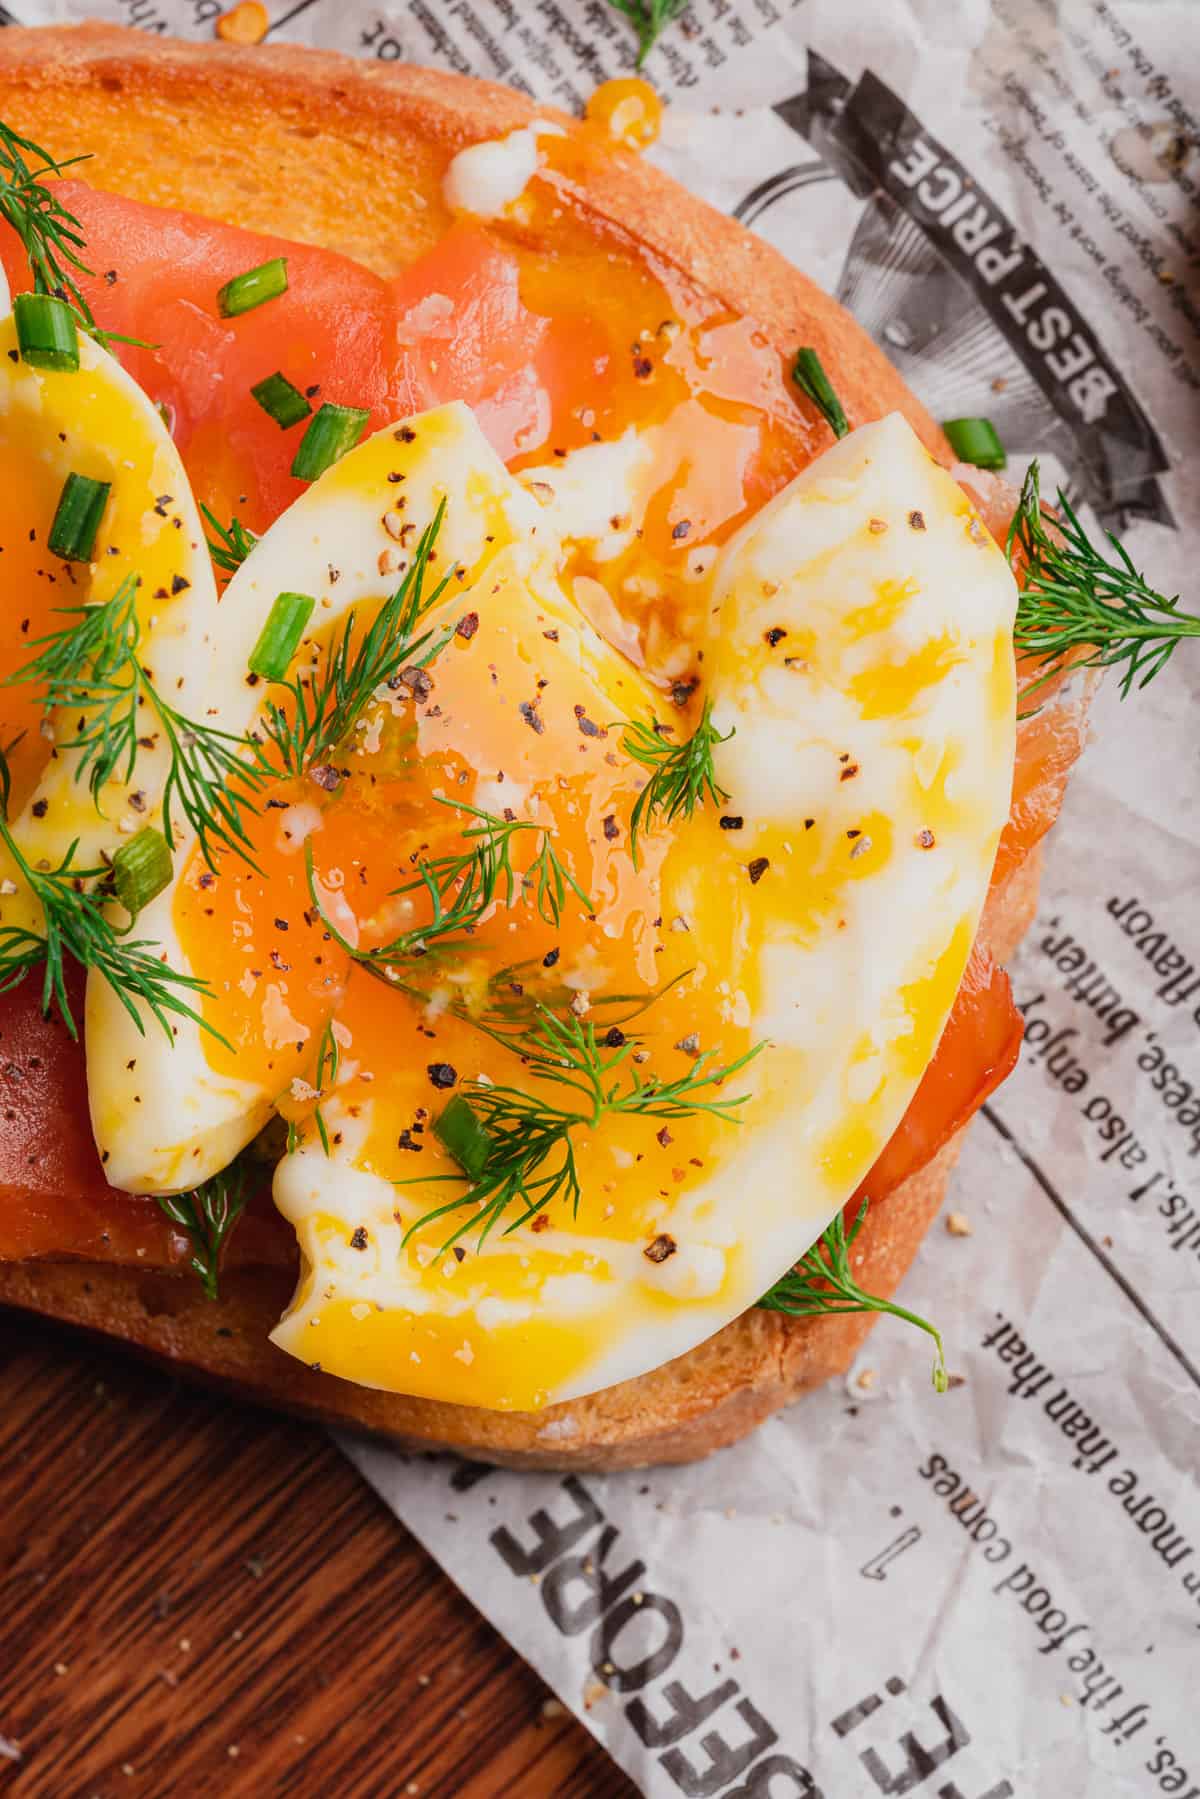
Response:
column 329, row 1060
column 528, row 1157
column 682, row 774
column 462, row 887
column 72, row 898
column 649, row 19
column 808, row 373
column 51, row 237
column 1079, row 609
column 233, row 544
column 822, row 1284
column 208, row 1214
column 91, row 668
column 327, row 703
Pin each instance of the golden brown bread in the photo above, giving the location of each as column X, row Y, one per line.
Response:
column 350, row 155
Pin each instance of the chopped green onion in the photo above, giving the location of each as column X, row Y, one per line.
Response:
column 254, row 288
column 141, row 869
column 812, row 381
column 334, row 430
column 285, row 403
column 280, row 636
column 460, row 1132
column 46, row 333
column 976, row 441
column 77, row 518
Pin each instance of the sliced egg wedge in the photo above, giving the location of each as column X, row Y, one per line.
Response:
column 97, row 423
column 861, row 655
column 168, row 1116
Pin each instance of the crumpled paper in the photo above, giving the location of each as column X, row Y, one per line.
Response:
column 996, row 1592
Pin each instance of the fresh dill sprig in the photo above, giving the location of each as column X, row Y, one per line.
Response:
column 529, row 1154
column 649, row 19
column 91, row 668
column 488, row 861
column 72, row 899
column 681, row 774
column 1081, row 609
column 51, row 237
column 822, row 1285
column 208, row 1214
column 329, row 1061
column 230, row 544
column 462, row 887
column 327, row 703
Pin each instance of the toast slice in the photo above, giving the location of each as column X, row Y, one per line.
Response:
column 350, row 155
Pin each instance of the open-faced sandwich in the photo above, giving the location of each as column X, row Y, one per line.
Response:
column 517, row 778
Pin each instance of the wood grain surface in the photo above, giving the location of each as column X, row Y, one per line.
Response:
column 199, row 1598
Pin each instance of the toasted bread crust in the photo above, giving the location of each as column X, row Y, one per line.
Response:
column 326, row 150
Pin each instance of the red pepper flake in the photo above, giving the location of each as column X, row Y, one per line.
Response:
column 849, row 772
column 877, row 526
column 925, row 839
column 552, row 636
column 664, row 1136
column 662, row 1247
column 540, row 1223
column 757, row 869
column 467, row 626
column 916, row 521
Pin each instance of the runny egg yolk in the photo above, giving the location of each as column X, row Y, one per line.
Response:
column 507, row 721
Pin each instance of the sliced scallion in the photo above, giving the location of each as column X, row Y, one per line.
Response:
column 280, row 637
column 460, row 1132
column 811, row 379
column 77, row 518
column 254, row 288
column 283, row 402
column 333, row 431
column 141, row 869
column 976, row 441
column 47, row 336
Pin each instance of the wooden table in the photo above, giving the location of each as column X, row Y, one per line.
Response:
column 198, row 1598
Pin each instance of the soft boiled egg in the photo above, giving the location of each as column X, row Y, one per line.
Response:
column 93, row 422
column 860, row 669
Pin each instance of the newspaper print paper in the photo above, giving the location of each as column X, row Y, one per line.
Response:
column 995, row 1593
